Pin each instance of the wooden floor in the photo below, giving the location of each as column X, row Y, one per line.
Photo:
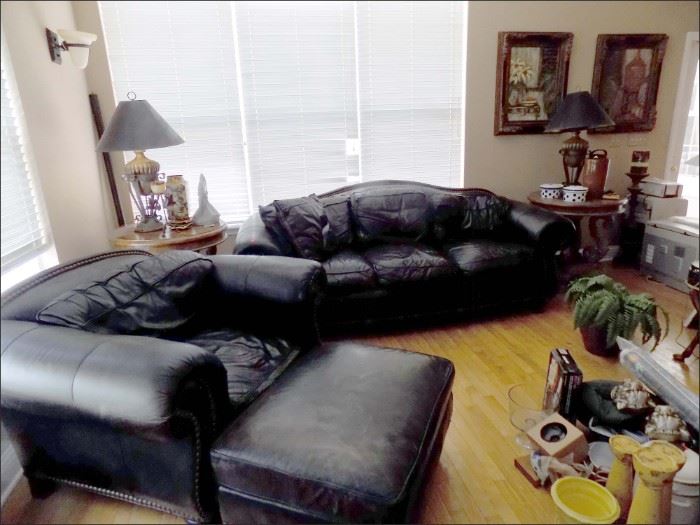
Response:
column 475, row 480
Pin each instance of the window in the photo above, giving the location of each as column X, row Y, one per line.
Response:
column 688, row 169
column 25, row 235
column 283, row 99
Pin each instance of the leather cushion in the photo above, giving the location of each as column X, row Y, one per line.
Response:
column 339, row 435
column 349, row 271
column 268, row 215
column 383, row 215
column 148, row 297
column 338, row 212
column 407, row 262
column 483, row 254
column 252, row 363
column 305, row 224
column 484, row 212
column 448, row 214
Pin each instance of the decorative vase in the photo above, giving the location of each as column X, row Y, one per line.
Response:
column 621, row 475
column 595, row 341
column 595, row 173
column 176, row 202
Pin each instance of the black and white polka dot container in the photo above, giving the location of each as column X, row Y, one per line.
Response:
column 551, row 191
column 575, row 193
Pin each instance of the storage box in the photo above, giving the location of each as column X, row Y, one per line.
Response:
column 669, row 247
column 557, row 437
column 661, row 188
column 563, row 379
column 655, row 208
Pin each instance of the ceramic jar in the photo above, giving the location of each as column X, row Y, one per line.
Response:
column 551, row 191
column 575, row 194
column 176, row 201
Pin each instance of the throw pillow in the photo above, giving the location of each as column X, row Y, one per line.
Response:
column 151, row 296
column 337, row 210
column 305, row 224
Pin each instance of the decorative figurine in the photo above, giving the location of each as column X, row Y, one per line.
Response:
column 176, row 202
column 665, row 423
column 631, row 397
column 206, row 214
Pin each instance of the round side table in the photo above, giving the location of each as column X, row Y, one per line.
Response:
column 600, row 214
column 204, row 239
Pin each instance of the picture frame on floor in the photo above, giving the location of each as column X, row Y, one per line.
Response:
column 626, row 76
column 531, row 78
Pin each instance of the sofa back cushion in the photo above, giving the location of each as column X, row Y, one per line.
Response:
column 337, row 210
column 151, row 296
column 385, row 214
column 303, row 223
column 484, row 213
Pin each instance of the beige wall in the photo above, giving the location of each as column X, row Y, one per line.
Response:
column 59, row 122
column 515, row 165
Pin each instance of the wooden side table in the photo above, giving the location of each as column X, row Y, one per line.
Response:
column 600, row 214
column 204, row 239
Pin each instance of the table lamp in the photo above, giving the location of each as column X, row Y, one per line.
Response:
column 578, row 111
column 136, row 126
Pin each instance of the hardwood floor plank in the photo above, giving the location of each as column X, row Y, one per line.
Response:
column 474, row 480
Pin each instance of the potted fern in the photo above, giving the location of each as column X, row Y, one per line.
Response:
column 604, row 309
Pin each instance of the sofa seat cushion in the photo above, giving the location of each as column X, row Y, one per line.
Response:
column 252, row 363
column 341, row 436
column 483, row 254
column 407, row 262
column 349, row 271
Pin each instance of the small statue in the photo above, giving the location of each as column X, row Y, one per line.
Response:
column 665, row 423
column 631, row 397
column 206, row 214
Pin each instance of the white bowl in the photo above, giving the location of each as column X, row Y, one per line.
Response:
column 551, row 191
column 600, row 454
column 575, row 193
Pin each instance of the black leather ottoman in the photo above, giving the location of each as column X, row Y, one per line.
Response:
column 345, row 435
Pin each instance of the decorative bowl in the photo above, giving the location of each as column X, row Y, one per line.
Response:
column 551, row 191
column 575, row 193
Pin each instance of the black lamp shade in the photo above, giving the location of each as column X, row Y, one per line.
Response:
column 136, row 126
column 578, row 111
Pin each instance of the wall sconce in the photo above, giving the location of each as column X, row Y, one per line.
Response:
column 77, row 43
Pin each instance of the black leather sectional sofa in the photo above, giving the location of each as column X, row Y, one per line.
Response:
column 396, row 249
column 198, row 386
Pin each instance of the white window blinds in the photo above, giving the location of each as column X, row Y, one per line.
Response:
column 180, row 57
column 24, row 228
column 282, row 99
column 297, row 63
column 411, row 67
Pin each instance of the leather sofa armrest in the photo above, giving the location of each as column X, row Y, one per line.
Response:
column 546, row 229
column 254, row 239
column 269, row 294
column 126, row 381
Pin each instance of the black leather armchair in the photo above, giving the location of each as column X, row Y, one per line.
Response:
column 131, row 416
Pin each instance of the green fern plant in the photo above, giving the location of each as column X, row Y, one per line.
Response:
column 601, row 302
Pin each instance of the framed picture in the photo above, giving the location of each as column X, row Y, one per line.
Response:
column 531, row 76
column 626, row 79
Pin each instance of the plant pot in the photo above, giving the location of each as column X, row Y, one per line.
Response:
column 594, row 339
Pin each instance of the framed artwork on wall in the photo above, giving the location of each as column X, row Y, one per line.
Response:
column 626, row 79
column 531, row 77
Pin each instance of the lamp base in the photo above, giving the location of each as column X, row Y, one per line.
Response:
column 573, row 153
column 149, row 224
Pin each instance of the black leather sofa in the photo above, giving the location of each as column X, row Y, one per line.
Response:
column 395, row 249
column 126, row 374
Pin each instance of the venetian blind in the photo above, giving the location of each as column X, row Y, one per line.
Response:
column 180, row 57
column 411, row 66
column 297, row 65
column 24, row 229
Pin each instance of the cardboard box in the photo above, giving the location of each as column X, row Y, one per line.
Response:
column 650, row 208
column 661, row 188
column 557, row 437
column 563, row 379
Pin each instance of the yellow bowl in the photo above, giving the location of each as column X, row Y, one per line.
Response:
column 584, row 501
